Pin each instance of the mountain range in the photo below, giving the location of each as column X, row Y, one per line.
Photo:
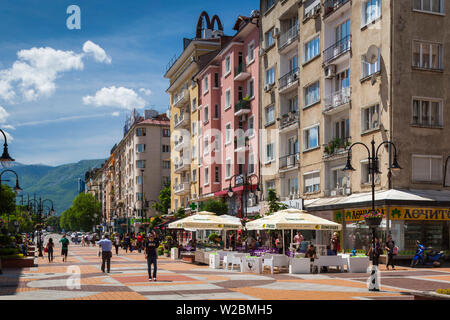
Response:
column 58, row 183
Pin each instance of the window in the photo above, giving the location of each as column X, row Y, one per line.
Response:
column 227, row 99
column 311, row 182
column 251, row 88
column 228, row 133
column 312, row 94
column 194, row 128
column 139, row 196
column 293, row 186
column 227, row 65
column 251, row 163
column 366, row 176
column 270, row 115
column 427, row 112
column 293, row 104
column 270, row 156
column 293, row 64
column 312, row 49
column 216, row 80
column 165, row 148
column 206, row 176
column 427, row 55
column 194, row 104
column 166, row 180
column 367, row 69
column 339, row 178
column 206, row 145
column 216, row 143
column 216, row 111
column 436, row 6
column 342, row 129
column 370, row 118
column 269, row 40
column 205, row 114
column 194, row 152
column 166, row 132
column 371, row 10
column 140, row 148
column 139, row 180
column 269, row 4
column 251, row 126
column 140, row 164
column 140, row 132
column 166, row 164
column 216, row 174
column 311, row 138
column 205, row 85
column 228, row 168
column 427, row 168
column 251, row 52
column 270, row 76
column 194, row 175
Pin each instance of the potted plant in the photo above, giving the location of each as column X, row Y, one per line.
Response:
column 166, row 253
column 373, row 218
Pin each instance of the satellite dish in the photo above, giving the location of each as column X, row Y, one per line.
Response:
column 372, row 54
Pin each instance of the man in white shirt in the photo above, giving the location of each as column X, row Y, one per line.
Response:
column 106, row 245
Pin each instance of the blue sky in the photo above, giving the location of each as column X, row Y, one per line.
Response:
column 46, row 111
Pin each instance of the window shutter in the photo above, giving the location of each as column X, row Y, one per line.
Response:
column 421, row 169
column 436, row 170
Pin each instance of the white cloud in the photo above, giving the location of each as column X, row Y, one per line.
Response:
column 115, row 114
column 147, row 92
column 121, row 97
column 99, row 54
column 3, row 115
column 35, row 71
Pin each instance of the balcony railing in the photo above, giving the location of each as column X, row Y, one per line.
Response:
column 179, row 120
column 337, row 146
column 332, row 5
column 180, row 165
column 180, row 97
column 288, row 37
column 242, row 105
column 288, row 78
column 288, row 119
column 289, row 161
column 182, row 187
column 239, row 69
column 337, row 49
column 337, row 99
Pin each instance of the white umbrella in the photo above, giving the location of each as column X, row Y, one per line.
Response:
column 205, row 220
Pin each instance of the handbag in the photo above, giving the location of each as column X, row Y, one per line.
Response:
column 395, row 251
column 45, row 249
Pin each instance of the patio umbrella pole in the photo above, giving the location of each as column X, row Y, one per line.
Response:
column 284, row 249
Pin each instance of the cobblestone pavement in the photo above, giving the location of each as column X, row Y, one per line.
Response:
column 128, row 280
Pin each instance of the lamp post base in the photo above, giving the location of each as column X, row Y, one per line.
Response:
column 374, row 280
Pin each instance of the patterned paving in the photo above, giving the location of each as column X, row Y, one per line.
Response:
column 81, row 279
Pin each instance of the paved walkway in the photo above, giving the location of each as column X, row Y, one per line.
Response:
column 81, row 278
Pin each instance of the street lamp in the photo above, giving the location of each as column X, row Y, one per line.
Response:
column 39, row 205
column 5, row 159
column 246, row 183
column 373, row 168
column 17, row 188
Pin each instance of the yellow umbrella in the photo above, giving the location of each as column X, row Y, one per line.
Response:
column 205, row 220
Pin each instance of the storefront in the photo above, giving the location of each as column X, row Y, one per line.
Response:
column 408, row 216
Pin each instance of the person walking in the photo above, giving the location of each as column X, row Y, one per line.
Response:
column 106, row 245
column 151, row 255
column 50, row 246
column 65, row 247
column 335, row 244
column 127, row 243
column 377, row 252
column 298, row 239
column 389, row 247
column 117, row 243
column 139, row 240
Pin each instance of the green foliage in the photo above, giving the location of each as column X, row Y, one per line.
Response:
column 443, row 291
column 212, row 237
column 274, row 205
column 54, row 222
column 180, row 214
column 7, row 200
column 8, row 251
column 219, row 207
column 157, row 220
column 84, row 213
column 163, row 205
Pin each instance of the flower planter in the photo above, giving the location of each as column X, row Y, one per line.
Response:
column 214, row 261
column 358, row 264
column 17, row 262
column 373, row 222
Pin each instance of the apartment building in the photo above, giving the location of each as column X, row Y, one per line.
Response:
column 229, row 114
column 184, row 108
column 136, row 171
column 367, row 70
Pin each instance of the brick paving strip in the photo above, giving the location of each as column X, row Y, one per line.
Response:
column 128, row 280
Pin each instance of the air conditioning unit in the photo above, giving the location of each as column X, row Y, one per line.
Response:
column 330, row 71
column 276, row 33
column 333, row 193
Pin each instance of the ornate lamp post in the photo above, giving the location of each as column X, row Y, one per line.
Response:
column 247, row 188
column 373, row 219
column 17, row 188
column 40, row 209
column 5, row 159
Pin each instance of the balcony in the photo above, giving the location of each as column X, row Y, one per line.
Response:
column 289, row 161
column 289, row 80
column 181, row 166
column 289, row 120
column 336, row 148
column 287, row 38
column 178, row 144
column 182, row 120
column 337, row 99
column 181, row 98
column 337, row 49
column 181, row 189
column 240, row 73
column 331, row 6
column 242, row 107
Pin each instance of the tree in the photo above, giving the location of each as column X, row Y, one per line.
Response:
column 7, row 200
column 84, row 213
column 54, row 222
column 274, row 205
column 180, row 214
column 164, row 197
column 219, row 207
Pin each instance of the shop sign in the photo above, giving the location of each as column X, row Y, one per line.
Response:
column 408, row 213
column 139, row 220
column 355, row 214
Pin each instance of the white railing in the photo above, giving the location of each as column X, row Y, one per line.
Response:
column 288, row 36
column 337, row 99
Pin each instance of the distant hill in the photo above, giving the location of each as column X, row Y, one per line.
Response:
column 59, row 184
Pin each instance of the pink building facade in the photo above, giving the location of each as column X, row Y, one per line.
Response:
column 229, row 113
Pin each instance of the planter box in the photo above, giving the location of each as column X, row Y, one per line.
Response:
column 17, row 263
column 358, row 265
column 214, row 261
column 300, row 265
column 174, row 253
column 188, row 258
column 253, row 265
